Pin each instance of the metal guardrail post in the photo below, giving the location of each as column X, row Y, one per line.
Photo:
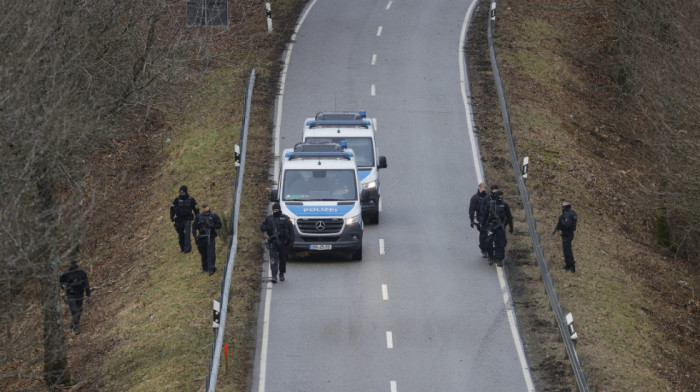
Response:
column 228, row 269
column 581, row 378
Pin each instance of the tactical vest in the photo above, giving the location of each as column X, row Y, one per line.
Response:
column 497, row 214
column 184, row 206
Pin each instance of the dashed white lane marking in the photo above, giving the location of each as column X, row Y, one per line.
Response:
column 379, row 31
column 374, row 59
column 388, row 5
column 373, row 90
column 385, row 292
column 381, row 246
column 392, row 385
column 389, row 339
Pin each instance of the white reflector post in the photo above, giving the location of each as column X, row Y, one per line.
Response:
column 570, row 323
column 268, row 9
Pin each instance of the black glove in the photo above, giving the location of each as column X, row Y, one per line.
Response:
column 511, row 230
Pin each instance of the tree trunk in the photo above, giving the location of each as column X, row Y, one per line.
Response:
column 55, row 359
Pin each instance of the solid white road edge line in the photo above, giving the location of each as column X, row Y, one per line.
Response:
column 514, row 330
column 480, row 178
column 465, row 98
column 278, row 121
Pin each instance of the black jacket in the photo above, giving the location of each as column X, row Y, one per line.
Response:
column 206, row 224
column 475, row 206
column 496, row 213
column 567, row 221
column 183, row 208
column 285, row 230
column 75, row 282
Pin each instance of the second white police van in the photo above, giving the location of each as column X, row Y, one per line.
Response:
column 319, row 189
column 354, row 129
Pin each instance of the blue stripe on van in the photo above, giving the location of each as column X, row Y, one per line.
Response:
column 309, row 210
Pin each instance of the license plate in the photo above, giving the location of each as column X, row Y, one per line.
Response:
column 320, row 247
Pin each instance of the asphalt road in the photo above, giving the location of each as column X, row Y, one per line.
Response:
column 423, row 311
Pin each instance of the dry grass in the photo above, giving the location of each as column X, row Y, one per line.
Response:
column 636, row 322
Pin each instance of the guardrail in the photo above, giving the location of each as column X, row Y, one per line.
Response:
column 568, row 335
column 220, row 313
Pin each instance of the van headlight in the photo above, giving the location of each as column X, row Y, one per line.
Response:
column 370, row 185
column 353, row 220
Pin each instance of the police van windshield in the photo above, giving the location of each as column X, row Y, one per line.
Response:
column 319, row 185
column 361, row 146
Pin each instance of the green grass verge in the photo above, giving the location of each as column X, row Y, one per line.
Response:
column 164, row 325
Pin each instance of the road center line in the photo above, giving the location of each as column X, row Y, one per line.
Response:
column 388, row 5
column 373, row 90
column 374, row 59
column 385, row 292
column 389, row 340
column 392, row 385
column 381, row 246
column 379, row 31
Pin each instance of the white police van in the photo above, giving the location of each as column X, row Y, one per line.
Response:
column 354, row 129
column 319, row 189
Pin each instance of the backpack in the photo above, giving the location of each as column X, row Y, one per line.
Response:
column 569, row 220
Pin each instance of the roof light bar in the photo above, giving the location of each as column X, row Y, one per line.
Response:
column 338, row 123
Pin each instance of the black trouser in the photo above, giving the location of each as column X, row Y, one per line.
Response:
column 278, row 259
column 496, row 244
column 183, row 233
column 75, row 305
column 482, row 239
column 566, row 240
column 207, row 248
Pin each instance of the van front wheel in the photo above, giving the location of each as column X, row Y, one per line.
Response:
column 357, row 255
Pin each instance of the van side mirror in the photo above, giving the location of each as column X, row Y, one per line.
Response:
column 364, row 196
column 274, row 195
column 382, row 162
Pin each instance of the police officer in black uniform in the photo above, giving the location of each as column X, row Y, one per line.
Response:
column 182, row 211
column 204, row 230
column 280, row 236
column 475, row 215
column 496, row 217
column 74, row 283
column 566, row 226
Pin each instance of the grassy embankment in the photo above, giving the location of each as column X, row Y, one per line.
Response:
column 619, row 294
column 164, row 323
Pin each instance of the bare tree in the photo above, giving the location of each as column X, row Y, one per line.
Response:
column 74, row 74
